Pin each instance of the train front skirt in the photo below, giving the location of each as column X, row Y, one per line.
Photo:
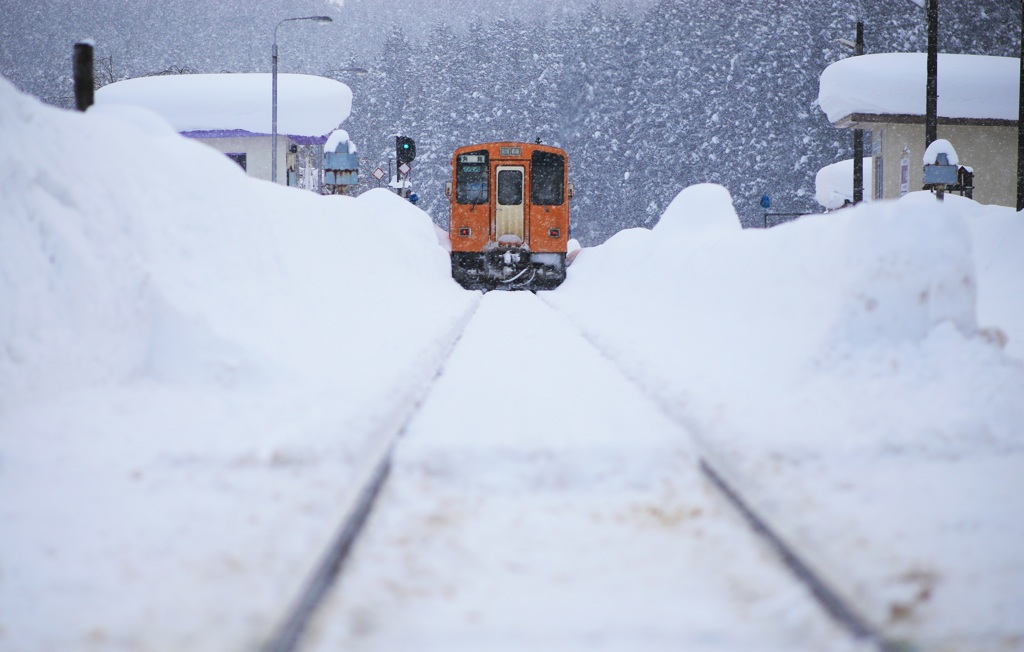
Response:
column 511, row 268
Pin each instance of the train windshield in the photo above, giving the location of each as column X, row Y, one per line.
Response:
column 471, row 178
column 510, row 187
column 547, row 179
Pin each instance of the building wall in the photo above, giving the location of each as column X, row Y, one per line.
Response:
column 257, row 151
column 990, row 151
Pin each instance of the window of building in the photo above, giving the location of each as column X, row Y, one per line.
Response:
column 238, row 158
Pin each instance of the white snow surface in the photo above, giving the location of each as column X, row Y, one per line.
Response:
column 340, row 137
column 307, row 105
column 834, row 369
column 190, row 372
column 940, row 146
column 833, row 185
column 970, row 86
column 193, row 372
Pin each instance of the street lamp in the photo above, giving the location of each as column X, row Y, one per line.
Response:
column 273, row 119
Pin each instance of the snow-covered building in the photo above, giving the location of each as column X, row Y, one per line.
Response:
column 232, row 112
column 833, row 185
column 977, row 112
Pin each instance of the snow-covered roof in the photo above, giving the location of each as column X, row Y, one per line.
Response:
column 970, row 87
column 307, row 106
column 833, row 185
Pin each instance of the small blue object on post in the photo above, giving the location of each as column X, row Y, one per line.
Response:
column 941, row 172
column 766, row 201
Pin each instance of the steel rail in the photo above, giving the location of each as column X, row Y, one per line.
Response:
column 287, row 637
column 837, row 607
column 289, row 634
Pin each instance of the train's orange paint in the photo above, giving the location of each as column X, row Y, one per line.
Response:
column 475, row 222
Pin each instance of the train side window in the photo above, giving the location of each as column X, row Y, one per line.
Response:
column 471, row 178
column 547, row 179
column 510, row 187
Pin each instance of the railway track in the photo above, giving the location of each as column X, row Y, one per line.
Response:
column 321, row 606
column 288, row 635
column 839, row 608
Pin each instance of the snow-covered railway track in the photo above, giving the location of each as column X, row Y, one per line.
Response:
column 841, row 611
column 289, row 634
column 367, row 484
column 537, row 500
column 839, row 608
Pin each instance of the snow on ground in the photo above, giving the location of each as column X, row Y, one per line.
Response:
column 192, row 364
column 557, row 509
column 835, row 369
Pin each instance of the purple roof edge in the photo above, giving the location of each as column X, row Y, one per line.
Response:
column 242, row 133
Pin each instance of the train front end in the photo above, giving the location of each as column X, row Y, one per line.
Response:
column 509, row 223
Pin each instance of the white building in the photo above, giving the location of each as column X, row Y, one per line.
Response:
column 232, row 112
column 977, row 112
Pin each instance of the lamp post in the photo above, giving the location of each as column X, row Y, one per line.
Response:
column 273, row 119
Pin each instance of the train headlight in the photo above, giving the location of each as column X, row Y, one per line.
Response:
column 465, row 231
column 555, row 233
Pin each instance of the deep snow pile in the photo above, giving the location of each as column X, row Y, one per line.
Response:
column 192, row 363
column 835, row 368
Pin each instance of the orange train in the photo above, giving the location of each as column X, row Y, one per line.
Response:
column 509, row 223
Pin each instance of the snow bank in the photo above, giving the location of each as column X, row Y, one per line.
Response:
column 904, row 274
column 970, row 86
column 705, row 207
column 193, row 365
column 835, row 369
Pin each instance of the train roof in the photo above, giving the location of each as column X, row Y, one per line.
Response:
column 497, row 145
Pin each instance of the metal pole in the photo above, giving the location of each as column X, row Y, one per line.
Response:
column 858, row 134
column 273, row 118
column 83, row 75
column 931, row 110
column 1020, row 119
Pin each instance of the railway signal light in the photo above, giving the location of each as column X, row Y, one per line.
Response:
column 405, row 149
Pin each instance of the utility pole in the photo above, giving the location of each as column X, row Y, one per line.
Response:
column 1020, row 119
column 931, row 129
column 858, row 134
